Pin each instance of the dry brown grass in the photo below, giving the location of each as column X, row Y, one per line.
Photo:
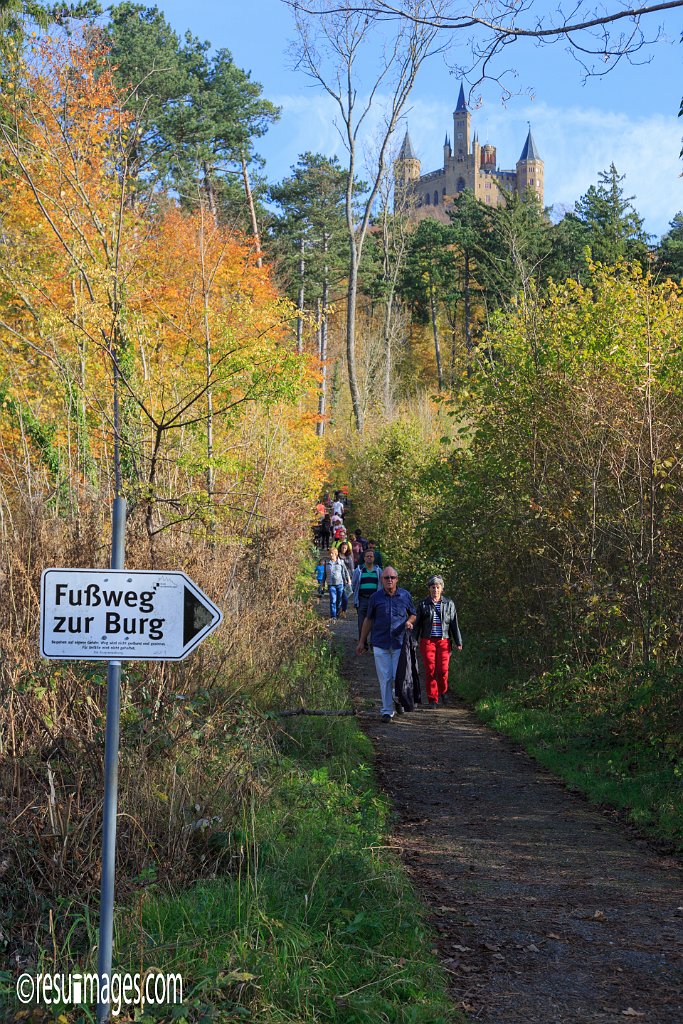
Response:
column 192, row 733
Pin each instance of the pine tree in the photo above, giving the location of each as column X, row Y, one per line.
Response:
column 197, row 115
column 616, row 229
column 669, row 257
column 310, row 244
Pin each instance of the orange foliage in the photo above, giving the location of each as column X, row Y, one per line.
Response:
column 198, row 329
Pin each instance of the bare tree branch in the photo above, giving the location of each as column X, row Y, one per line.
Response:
column 597, row 37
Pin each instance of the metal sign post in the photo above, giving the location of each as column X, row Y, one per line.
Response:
column 111, row 781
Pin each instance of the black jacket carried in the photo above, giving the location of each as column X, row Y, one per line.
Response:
column 407, row 683
column 449, row 620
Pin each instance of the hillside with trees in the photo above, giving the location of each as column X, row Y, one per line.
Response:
column 503, row 396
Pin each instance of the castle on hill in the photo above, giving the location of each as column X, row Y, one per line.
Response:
column 466, row 165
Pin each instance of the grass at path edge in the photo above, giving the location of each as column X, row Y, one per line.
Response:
column 617, row 744
column 316, row 920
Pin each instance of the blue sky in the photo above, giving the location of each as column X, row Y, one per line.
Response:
column 628, row 117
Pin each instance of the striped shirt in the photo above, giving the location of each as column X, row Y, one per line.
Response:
column 437, row 630
column 368, row 582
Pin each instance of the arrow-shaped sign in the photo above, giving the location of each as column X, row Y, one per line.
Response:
column 115, row 615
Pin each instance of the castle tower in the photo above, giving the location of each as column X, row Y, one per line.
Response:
column 488, row 156
column 462, row 120
column 447, row 152
column 530, row 170
column 406, row 169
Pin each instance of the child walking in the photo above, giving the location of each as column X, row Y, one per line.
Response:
column 320, row 576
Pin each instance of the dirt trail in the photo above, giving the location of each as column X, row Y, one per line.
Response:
column 547, row 912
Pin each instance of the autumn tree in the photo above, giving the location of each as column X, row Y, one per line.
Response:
column 170, row 306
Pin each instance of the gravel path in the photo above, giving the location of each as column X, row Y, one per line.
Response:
column 547, row 912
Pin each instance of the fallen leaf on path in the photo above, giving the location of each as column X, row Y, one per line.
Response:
column 554, row 935
column 599, row 916
column 491, row 948
column 632, row 1013
column 462, row 949
column 532, row 948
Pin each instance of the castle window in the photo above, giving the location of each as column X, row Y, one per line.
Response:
column 427, row 199
column 531, row 181
column 460, row 187
column 436, row 198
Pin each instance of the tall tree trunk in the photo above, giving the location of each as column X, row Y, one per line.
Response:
column 252, row 211
column 300, row 300
column 208, row 364
column 435, row 332
column 468, row 326
column 210, row 481
column 454, row 341
column 352, row 297
column 322, row 396
column 210, row 190
column 388, row 354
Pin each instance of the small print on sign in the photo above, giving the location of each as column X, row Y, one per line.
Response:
column 101, row 615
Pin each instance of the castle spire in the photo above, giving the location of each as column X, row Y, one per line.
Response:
column 530, row 152
column 406, row 151
column 462, row 106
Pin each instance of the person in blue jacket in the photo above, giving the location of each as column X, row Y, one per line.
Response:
column 390, row 612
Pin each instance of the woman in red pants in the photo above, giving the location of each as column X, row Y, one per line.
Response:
column 437, row 627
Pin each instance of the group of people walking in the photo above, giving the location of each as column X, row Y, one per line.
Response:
column 388, row 620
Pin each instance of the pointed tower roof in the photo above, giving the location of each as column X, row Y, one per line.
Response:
column 462, row 106
column 530, row 152
column 445, row 141
column 406, row 151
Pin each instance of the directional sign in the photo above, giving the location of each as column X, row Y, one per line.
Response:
column 114, row 615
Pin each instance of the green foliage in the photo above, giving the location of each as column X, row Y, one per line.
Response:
column 565, row 507
column 669, row 257
column 516, row 251
column 395, row 478
column 309, row 238
column 430, row 267
column 314, row 920
column 555, row 515
column 16, row 14
column 42, row 438
column 615, row 229
column 197, row 115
